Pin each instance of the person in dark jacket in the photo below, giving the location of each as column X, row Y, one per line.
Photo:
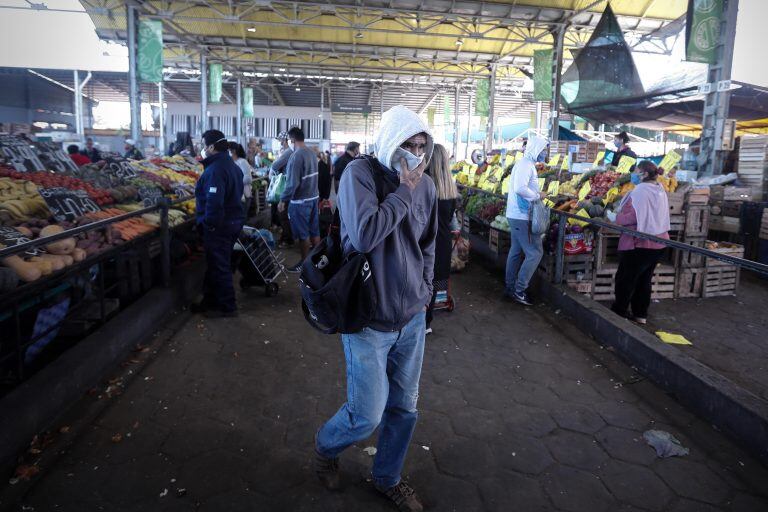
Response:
column 220, row 217
column 131, row 151
column 447, row 194
column 352, row 152
column 90, row 151
column 621, row 141
column 324, row 176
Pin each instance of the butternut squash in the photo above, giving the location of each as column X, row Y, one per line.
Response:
column 26, row 271
column 78, row 254
column 46, row 267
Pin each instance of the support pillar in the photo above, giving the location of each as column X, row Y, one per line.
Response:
column 78, row 106
column 203, row 93
column 557, row 71
column 469, row 124
column 239, row 117
column 134, row 93
column 717, row 102
column 161, row 117
column 456, row 130
column 489, row 133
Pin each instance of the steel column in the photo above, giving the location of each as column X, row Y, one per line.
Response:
column 134, row 93
column 716, row 104
column 557, row 70
column 203, row 93
column 239, row 119
column 469, row 124
column 78, row 105
column 456, row 131
column 322, row 115
column 161, row 116
column 489, row 135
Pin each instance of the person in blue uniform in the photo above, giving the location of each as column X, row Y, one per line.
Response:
column 220, row 219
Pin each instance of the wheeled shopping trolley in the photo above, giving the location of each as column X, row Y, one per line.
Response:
column 261, row 266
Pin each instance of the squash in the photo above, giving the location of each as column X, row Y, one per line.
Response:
column 58, row 262
column 25, row 231
column 26, row 271
column 45, row 266
column 78, row 255
column 65, row 246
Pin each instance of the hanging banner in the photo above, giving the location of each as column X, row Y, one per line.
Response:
column 247, row 102
column 214, row 82
column 542, row 75
column 702, row 30
column 150, row 51
column 482, row 98
column 431, row 117
column 447, row 110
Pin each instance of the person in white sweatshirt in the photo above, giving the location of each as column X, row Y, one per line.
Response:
column 526, row 249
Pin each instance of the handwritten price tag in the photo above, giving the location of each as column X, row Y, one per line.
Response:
column 599, row 158
column 554, row 161
column 554, row 188
column 625, row 164
column 671, row 159
column 585, row 189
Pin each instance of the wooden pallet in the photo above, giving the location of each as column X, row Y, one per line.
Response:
column 697, row 221
column 604, row 284
column 663, row 283
column 688, row 259
column 499, row 241
column 689, row 282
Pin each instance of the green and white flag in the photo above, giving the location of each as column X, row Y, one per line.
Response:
column 247, row 102
column 214, row 82
column 482, row 98
column 431, row 117
column 542, row 75
column 702, row 31
column 447, row 110
column 150, row 51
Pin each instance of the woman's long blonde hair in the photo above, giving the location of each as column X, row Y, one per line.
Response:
column 440, row 170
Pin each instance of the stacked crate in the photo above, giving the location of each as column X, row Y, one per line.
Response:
column 499, row 241
column 753, row 161
column 587, row 151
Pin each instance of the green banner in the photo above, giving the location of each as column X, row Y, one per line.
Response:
column 214, row 82
column 431, row 116
column 150, row 51
column 447, row 110
column 247, row 102
column 542, row 75
column 482, row 98
column 702, row 31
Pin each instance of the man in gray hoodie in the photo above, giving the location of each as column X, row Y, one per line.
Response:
column 384, row 360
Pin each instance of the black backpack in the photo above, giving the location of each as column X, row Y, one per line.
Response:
column 338, row 293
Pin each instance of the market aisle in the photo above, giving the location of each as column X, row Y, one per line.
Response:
column 518, row 412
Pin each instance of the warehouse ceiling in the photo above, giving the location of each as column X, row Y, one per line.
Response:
column 437, row 41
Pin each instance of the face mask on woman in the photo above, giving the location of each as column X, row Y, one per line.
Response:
column 617, row 143
column 636, row 179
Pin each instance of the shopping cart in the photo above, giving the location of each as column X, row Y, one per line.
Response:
column 443, row 298
column 261, row 266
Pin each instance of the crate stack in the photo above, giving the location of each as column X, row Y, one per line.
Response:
column 587, row 151
column 753, row 161
column 693, row 231
column 499, row 241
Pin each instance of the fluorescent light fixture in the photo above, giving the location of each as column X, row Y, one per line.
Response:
column 251, row 29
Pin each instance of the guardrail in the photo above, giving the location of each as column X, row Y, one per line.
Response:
column 560, row 245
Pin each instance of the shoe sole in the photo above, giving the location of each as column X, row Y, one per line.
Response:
column 524, row 303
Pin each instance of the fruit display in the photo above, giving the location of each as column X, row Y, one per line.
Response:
column 20, row 201
column 51, row 180
column 602, row 181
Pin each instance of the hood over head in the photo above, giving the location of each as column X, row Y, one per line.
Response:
column 535, row 146
column 399, row 124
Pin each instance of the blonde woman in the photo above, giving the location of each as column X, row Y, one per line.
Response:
column 447, row 195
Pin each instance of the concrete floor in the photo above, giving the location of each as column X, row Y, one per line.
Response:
column 519, row 411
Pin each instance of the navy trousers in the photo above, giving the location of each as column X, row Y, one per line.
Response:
column 218, row 290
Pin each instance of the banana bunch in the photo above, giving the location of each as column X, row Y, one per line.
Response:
column 20, row 201
column 175, row 217
column 188, row 207
column 172, row 176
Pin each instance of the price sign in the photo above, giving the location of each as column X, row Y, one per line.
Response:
column 671, row 159
column 542, row 181
column 150, row 196
column 580, row 213
column 68, row 204
column 505, row 184
column 554, row 188
column 625, row 164
column 599, row 158
column 554, row 161
column 585, row 189
column 119, row 169
column 10, row 237
column 55, row 159
column 548, row 203
column 20, row 154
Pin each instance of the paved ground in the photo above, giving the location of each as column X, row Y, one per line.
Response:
column 518, row 412
column 728, row 333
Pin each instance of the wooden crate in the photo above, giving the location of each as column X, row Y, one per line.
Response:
column 663, row 283
column 764, row 225
column 677, row 227
column 697, row 196
column 720, row 281
column 676, row 202
column 697, row 221
column 606, row 249
column 728, row 249
column 688, row 259
column 499, row 241
column 577, row 268
column 604, row 284
column 689, row 282
column 731, row 208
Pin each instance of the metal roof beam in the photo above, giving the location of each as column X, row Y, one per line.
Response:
column 428, row 101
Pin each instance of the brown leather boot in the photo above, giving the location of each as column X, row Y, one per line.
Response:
column 404, row 497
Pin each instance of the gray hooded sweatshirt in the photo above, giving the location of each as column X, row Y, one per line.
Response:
column 399, row 234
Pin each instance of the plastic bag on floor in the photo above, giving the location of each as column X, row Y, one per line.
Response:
column 665, row 444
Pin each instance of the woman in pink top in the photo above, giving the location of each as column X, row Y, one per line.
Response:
column 645, row 209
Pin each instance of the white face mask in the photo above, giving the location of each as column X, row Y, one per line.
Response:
column 411, row 160
column 204, row 153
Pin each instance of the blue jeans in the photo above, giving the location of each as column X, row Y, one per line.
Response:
column 383, row 370
column 519, row 270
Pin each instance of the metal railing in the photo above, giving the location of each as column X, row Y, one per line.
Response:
column 560, row 245
column 13, row 303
